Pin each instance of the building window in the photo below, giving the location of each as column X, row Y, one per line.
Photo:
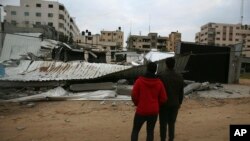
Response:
column 26, row 13
column 27, row 5
column 61, row 25
column 13, row 12
column 217, row 38
column 236, row 39
column 61, row 7
column 26, row 22
column 109, row 34
column 38, row 5
column 61, row 16
column 50, row 15
column 38, row 23
column 217, row 32
column 50, row 6
column 38, row 14
column 13, row 22
column 50, row 24
column 153, row 44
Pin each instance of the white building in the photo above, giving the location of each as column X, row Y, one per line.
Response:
column 41, row 12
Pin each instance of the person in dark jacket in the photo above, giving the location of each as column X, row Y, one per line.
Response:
column 147, row 94
column 174, row 85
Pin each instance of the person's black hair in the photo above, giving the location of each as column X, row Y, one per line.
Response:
column 151, row 67
column 170, row 62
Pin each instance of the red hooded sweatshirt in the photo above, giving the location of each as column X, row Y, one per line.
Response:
column 147, row 95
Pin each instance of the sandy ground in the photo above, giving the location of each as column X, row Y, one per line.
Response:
column 200, row 119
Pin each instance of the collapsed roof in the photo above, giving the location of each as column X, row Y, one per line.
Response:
column 54, row 70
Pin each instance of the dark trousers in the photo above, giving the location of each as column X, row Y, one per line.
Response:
column 167, row 120
column 138, row 122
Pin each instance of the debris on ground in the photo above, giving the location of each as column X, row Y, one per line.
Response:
column 120, row 91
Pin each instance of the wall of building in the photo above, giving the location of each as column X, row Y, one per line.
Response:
column 51, row 13
column 154, row 41
column 107, row 40
column 113, row 36
column 221, row 34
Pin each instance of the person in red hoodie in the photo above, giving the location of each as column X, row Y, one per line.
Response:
column 148, row 94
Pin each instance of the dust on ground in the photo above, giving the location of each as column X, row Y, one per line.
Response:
column 199, row 119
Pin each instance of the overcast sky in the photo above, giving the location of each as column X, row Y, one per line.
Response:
column 163, row 16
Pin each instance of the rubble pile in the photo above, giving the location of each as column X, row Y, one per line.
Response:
column 216, row 90
column 116, row 91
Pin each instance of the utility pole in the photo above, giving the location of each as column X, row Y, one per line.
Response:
column 149, row 24
column 241, row 11
column 1, row 30
column 241, row 22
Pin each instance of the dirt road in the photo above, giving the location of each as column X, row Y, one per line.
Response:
column 199, row 120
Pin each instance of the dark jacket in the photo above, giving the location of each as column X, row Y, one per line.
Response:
column 174, row 85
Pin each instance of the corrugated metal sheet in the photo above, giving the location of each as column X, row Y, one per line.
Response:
column 15, row 46
column 54, row 70
column 156, row 56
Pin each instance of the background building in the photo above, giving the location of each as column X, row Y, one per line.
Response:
column 221, row 34
column 110, row 37
column 154, row 41
column 107, row 40
column 174, row 41
column 32, row 13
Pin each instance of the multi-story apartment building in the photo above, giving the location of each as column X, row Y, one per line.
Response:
column 221, row 34
column 107, row 40
column 110, row 37
column 174, row 41
column 153, row 41
column 41, row 12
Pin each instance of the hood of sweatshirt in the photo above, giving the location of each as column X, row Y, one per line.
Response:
column 149, row 82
